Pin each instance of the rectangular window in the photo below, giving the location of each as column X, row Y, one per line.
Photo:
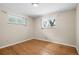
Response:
column 16, row 20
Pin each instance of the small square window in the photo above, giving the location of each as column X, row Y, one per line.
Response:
column 48, row 22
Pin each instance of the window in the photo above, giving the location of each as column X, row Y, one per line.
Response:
column 16, row 20
column 48, row 22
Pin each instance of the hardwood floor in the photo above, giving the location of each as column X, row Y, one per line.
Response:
column 38, row 47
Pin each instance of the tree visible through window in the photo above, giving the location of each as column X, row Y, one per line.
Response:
column 48, row 22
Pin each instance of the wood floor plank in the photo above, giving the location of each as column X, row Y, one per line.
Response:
column 38, row 47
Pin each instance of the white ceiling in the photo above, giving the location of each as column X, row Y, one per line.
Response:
column 43, row 8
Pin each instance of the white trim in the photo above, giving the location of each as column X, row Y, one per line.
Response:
column 13, row 43
column 57, row 42
column 37, row 39
column 77, row 50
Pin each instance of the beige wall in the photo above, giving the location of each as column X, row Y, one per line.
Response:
column 64, row 33
column 12, row 33
column 77, row 27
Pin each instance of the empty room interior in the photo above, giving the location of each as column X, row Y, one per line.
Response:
column 39, row 28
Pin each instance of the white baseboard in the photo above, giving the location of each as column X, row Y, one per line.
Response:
column 14, row 43
column 78, row 51
column 57, row 42
column 37, row 39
